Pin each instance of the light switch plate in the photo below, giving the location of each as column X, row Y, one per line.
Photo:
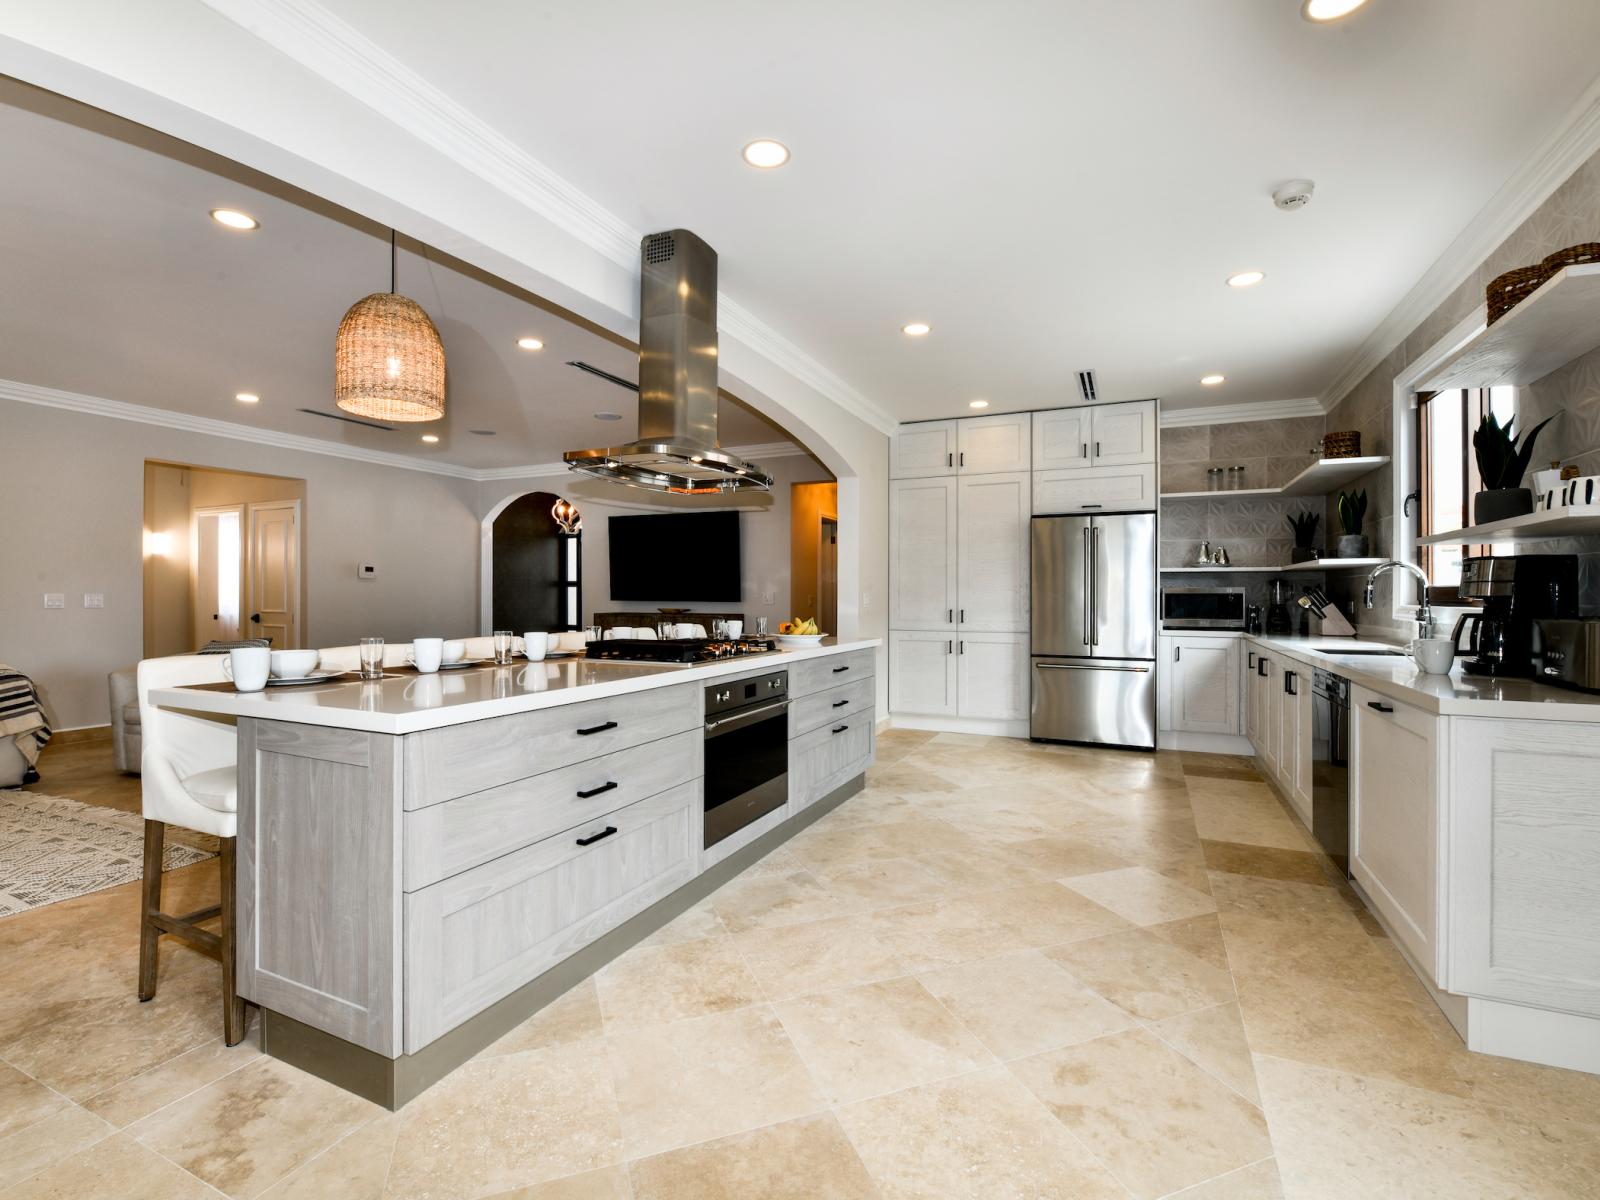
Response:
column 55, row 600
column 366, row 570
column 94, row 600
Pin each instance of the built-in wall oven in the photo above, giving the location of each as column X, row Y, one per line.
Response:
column 1202, row 608
column 747, row 752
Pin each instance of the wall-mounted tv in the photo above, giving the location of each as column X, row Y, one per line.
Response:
column 676, row 556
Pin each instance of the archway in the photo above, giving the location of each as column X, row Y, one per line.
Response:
column 537, row 569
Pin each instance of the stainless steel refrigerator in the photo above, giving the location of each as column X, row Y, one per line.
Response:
column 1094, row 629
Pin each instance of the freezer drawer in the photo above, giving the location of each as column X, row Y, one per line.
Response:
column 1107, row 701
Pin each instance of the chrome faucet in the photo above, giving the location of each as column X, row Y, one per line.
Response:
column 1424, row 609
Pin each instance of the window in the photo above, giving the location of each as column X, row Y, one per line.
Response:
column 1447, row 476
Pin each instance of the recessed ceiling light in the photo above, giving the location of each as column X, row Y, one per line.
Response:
column 1212, row 380
column 1329, row 10
column 766, row 154
column 430, row 438
column 530, row 343
column 234, row 219
column 916, row 329
column 248, row 398
column 977, row 404
column 607, row 416
column 1246, row 278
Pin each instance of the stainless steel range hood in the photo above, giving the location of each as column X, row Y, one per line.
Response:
column 677, row 447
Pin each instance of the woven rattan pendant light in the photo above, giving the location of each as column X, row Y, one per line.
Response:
column 388, row 361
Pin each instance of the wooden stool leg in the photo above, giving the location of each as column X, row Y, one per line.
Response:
column 155, row 837
column 233, row 1020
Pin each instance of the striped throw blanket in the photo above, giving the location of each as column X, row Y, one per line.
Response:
column 20, row 715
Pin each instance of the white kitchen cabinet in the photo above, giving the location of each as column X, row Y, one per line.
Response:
column 985, row 445
column 1096, row 489
column 1293, row 700
column 992, row 676
column 924, row 449
column 922, row 673
column 992, row 523
column 1123, row 434
column 1265, row 687
column 922, row 553
column 1394, row 818
column 1062, row 439
column 1252, row 698
column 1203, row 684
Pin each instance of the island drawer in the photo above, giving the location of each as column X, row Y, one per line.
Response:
column 821, row 760
column 445, row 839
column 457, row 760
column 808, row 712
column 482, row 934
column 816, row 674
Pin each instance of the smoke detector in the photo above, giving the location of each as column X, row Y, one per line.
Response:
column 1294, row 194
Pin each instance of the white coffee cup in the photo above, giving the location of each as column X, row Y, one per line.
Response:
column 248, row 668
column 454, row 651
column 294, row 664
column 1434, row 655
column 535, row 646
column 735, row 630
column 426, row 654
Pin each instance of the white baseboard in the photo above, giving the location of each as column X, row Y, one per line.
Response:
column 1204, row 743
column 979, row 725
column 1556, row 1039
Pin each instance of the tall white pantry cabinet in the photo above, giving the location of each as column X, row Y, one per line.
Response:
column 961, row 494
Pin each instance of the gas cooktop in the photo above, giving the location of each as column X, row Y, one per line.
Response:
column 678, row 650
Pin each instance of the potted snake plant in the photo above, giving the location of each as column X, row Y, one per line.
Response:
column 1305, row 536
column 1352, row 507
column 1501, row 465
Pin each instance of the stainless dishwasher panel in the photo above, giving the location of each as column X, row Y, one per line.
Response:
column 1330, row 766
column 1103, row 700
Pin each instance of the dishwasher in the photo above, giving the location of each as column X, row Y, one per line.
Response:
column 1330, row 766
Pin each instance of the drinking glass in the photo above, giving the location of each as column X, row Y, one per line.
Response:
column 591, row 633
column 502, row 646
column 372, row 658
column 761, row 627
column 719, row 629
column 666, row 630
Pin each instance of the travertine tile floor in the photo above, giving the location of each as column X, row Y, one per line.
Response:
column 1002, row 971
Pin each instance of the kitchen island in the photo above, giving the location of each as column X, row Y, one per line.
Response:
column 426, row 860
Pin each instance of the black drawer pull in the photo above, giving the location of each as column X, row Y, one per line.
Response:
column 597, row 729
column 603, row 788
column 840, row 670
column 604, row 833
column 1376, row 707
column 840, row 728
column 840, row 703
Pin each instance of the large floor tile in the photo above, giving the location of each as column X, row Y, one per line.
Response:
column 694, row 1080
column 980, row 1135
column 940, row 933
column 1155, row 1119
column 573, row 1016
column 117, row 1168
column 1044, row 914
column 648, row 985
column 1214, row 1039
column 1143, row 896
column 1246, row 813
column 58, row 1136
column 174, row 1079
column 1267, row 862
column 356, row 1167
column 24, row 1100
column 768, row 898
column 868, row 1040
column 1146, row 976
column 805, row 1159
column 1258, row 1181
column 1201, row 936
column 608, row 1183
column 792, row 960
column 881, row 883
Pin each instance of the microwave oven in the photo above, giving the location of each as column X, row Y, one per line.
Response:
column 1202, row 608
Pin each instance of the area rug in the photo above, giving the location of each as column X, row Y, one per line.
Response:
column 52, row 849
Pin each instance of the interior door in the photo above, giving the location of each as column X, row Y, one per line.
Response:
column 1059, row 560
column 1123, row 548
column 1124, row 434
column 216, row 572
column 993, row 517
column 274, row 573
column 922, row 553
column 828, row 574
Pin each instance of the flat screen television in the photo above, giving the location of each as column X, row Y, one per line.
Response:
column 676, row 556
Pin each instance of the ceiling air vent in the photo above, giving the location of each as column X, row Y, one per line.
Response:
column 317, row 412
column 606, row 375
column 1086, row 387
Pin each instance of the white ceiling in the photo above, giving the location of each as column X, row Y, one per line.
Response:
column 117, row 284
column 1052, row 185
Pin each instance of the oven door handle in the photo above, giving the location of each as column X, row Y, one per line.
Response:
column 739, row 721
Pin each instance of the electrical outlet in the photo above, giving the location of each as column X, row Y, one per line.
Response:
column 55, row 600
column 94, row 600
column 366, row 570
column 769, row 597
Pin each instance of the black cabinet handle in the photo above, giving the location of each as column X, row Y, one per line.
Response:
column 949, row 647
column 1177, row 654
column 604, row 787
column 597, row 729
column 840, row 728
column 963, row 617
column 1376, row 707
column 1261, row 667
column 1097, row 449
column 840, row 703
column 963, row 458
column 838, row 670
column 604, row 833
column 961, row 647
column 1250, row 660
column 1288, row 683
column 1085, row 452
column 949, row 460
column 949, row 615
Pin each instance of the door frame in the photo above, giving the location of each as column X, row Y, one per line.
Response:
column 194, row 560
column 297, row 589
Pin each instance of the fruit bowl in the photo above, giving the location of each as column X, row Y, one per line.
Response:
column 798, row 641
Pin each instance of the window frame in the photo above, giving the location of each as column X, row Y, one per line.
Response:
column 1476, row 404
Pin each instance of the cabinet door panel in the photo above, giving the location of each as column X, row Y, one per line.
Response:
column 990, row 444
column 1123, row 434
column 1205, row 684
column 1061, row 439
column 922, row 553
column 993, row 522
column 992, row 675
column 922, row 674
column 1109, row 489
column 924, row 449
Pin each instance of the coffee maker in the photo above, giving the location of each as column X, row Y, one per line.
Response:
column 1516, row 592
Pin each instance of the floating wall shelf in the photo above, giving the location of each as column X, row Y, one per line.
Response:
column 1553, row 326
column 1315, row 564
column 1319, row 479
column 1565, row 521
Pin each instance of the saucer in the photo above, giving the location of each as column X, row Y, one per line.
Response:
column 301, row 680
column 465, row 662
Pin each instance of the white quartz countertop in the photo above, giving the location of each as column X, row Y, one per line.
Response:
column 407, row 702
column 1455, row 694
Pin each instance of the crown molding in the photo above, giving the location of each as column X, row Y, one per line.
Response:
column 1233, row 414
column 307, row 33
column 1573, row 142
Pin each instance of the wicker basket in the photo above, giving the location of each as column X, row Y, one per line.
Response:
column 1345, row 444
column 1506, row 291
column 1572, row 256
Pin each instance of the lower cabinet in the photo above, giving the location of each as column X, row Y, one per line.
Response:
column 1202, row 684
column 828, row 756
column 922, row 673
column 1263, row 695
column 992, row 676
column 1292, row 698
column 1394, row 846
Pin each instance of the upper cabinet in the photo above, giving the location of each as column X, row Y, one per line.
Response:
column 990, row 445
column 1102, row 435
column 922, row 554
column 992, row 529
column 924, row 449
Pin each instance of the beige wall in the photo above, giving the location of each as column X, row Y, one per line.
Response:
column 168, row 611
column 74, row 484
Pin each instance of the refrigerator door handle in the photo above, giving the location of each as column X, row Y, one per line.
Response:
column 1087, row 605
column 1053, row 666
column 1094, row 591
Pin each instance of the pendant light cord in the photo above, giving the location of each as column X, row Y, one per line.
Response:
column 391, row 262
